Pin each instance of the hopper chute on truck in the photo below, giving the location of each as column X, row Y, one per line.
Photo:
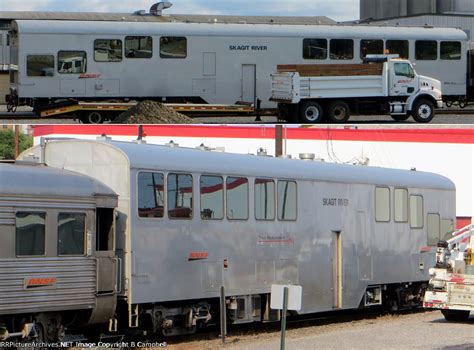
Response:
column 383, row 85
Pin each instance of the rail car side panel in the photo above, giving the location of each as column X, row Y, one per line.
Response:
column 234, row 47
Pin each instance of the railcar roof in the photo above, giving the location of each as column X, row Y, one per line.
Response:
column 39, row 180
column 220, row 29
column 127, row 17
column 154, row 157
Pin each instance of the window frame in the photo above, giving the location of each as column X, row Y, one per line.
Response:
column 193, row 203
column 427, row 228
column 395, row 206
column 417, row 49
column 45, row 250
column 121, row 51
column 275, row 214
column 248, row 198
column 68, row 74
column 174, row 37
column 422, row 211
column 137, row 36
column 165, row 195
column 389, row 204
column 370, row 40
column 278, row 201
column 326, row 56
column 449, row 42
column 223, row 197
column 84, row 237
column 41, row 76
column 341, row 59
column 397, row 53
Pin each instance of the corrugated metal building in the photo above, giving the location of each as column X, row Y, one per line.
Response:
column 382, row 9
column 436, row 13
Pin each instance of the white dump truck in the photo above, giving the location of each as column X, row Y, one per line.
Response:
column 451, row 287
column 311, row 93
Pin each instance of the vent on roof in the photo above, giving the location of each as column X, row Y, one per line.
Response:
column 157, row 9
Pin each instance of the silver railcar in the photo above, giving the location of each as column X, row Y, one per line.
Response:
column 191, row 221
column 207, row 62
column 57, row 262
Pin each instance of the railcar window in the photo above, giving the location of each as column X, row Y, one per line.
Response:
column 1, row 39
column 371, row 47
column 398, row 47
column 341, row 49
column 180, row 196
column 212, row 198
column 382, row 204
column 30, row 234
column 315, row 49
column 71, row 234
column 426, row 50
column 287, row 200
column 401, row 205
column 138, row 47
column 173, row 47
column 447, row 227
column 72, row 62
column 108, row 50
column 264, row 199
column 416, row 211
column 151, row 195
column 450, row 50
column 40, row 66
column 237, row 190
column 433, row 223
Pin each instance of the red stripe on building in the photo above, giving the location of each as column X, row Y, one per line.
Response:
column 421, row 135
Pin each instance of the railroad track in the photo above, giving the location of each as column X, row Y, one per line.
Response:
column 298, row 322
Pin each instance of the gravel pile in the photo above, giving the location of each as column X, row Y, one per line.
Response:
column 150, row 112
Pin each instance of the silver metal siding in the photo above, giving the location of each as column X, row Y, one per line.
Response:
column 75, row 287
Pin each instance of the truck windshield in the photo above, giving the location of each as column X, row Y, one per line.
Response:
column 404, row 70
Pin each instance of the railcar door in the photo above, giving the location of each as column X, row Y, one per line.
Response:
column 337, row 269
column 249, row 83
column 105, row 252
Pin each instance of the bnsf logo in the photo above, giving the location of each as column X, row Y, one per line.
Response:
column 40, row 282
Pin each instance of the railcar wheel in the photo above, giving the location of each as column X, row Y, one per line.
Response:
column 423, row 111
column 455, row 315
column 339, row 112
column 94, row 117
column 400, row 118
column 311, row 112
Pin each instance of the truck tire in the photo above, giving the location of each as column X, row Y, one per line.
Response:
column 423, row 111
column 339, row 112
column 93, row 117
column 455, row 315
column 311, row 112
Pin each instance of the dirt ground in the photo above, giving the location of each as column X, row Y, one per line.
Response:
column 425, row 330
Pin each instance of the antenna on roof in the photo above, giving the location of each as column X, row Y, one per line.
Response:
column 157, row 9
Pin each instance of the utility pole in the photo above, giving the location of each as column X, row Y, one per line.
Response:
column 278, row 140
column 17, row 141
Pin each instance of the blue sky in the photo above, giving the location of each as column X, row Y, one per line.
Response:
column 336, row 9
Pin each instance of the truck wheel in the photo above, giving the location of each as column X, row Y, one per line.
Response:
column 423, row 111
column 455, row 315
column 93, row 117
column 339, row 112
column 311, row 112
column 400, row 118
